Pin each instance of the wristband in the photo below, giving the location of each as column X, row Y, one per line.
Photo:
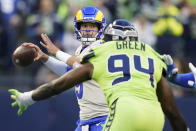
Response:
column 62, row 56
column 25, row 99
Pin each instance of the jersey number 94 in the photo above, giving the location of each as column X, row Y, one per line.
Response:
column 125, row 67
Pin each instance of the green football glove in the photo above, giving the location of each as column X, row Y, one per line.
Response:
column 15, row 95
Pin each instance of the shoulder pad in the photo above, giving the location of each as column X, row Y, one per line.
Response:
column 87, row 57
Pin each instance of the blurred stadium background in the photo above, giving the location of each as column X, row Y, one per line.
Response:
column 169, row 26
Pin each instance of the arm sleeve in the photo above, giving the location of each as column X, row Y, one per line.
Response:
column 57, row 66
column 62, row 56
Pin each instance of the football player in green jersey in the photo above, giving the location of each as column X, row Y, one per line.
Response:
column 131, row 75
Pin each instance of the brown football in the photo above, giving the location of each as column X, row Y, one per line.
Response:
column 23, row 56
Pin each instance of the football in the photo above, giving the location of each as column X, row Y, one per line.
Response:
column 23, row 56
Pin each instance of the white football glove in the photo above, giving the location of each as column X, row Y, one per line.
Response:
column 171, row 68
column 193, row 69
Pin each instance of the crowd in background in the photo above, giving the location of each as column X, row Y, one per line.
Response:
column 169, row 26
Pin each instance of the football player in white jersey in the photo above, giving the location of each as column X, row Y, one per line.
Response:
column 89, row 24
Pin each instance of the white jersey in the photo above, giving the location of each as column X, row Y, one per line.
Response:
column 90, row 96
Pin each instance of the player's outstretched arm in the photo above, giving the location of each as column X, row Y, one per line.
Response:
column 53, row 50
column 55, row 65
column 63, row 83
column 169, row 107
column 186, row 80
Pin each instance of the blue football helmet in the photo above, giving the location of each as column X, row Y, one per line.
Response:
column 92, row 15
column 120, row 29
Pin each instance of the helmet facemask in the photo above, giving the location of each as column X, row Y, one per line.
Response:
column 87, row 36
column 89, row 15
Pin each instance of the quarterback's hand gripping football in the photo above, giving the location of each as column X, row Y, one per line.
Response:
column 40, row 54
column 171, row 68
column 22, row 100
column 48, row 45
column 193, row 69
